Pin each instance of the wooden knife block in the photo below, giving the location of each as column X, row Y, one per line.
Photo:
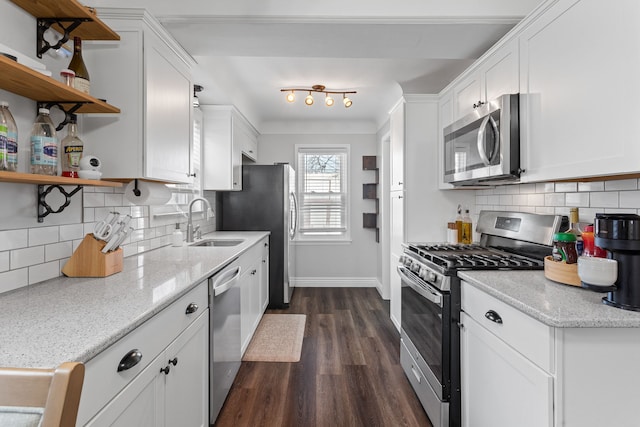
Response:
column 89, row 261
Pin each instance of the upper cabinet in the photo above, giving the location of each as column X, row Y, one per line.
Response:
column 495, row 75
column 149, row 75
column 228, row 137
column 397, row 137
column 580, row 64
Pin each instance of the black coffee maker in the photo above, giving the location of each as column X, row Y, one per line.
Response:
column 620, row 235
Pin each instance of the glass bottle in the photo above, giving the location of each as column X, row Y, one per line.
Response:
column 574, row 228
column 72, row 148
column 44, row 145
column 459, row 224
column 81, row 80
column 8, row 130
column 467, row 229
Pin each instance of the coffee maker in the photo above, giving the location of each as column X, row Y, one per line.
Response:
column 620, row 235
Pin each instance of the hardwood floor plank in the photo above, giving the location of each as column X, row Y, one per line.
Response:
column 349, row 372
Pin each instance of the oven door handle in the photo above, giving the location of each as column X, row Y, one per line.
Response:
column 434, row 297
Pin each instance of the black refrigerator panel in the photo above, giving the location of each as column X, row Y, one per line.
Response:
column 264, row 204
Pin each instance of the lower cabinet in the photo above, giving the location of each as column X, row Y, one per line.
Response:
column 517, row 371
column 157, row 374
column 252, row 290
column 500, row 387
column 171, row 391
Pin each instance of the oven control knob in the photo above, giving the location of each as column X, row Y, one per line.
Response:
column 430, row 276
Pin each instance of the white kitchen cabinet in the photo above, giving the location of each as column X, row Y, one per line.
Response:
column 397, row 141
column 500, row 387
column 142, row 394
column 171, row 391
column 252, row 285
column 264, row 275
column 494, row 75
column 148, row 75
column 228, row 136
column 579, row 66
column 525, row 373
column 396, row 238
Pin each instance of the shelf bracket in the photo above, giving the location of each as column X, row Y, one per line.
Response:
column 43, row 207
column 45, row 23
column 67, row 113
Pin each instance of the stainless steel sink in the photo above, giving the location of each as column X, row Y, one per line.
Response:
column 218, row 242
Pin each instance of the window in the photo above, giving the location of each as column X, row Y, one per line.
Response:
column 322, row 191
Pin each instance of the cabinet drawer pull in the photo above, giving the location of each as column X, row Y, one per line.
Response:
column 173, row 361
column 253, row 272
column 130, row 360
column 166, row 370
column 191, row 308
column 493, row 316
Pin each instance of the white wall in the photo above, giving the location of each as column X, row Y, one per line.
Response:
column 333, row 264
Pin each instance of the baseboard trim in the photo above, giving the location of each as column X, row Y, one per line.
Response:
column 336, row 282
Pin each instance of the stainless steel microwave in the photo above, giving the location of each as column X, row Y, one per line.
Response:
column 484, row 146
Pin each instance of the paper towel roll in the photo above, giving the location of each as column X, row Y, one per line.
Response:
column 151, row 193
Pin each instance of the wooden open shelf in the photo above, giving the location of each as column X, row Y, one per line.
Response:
column 30, row 178
column 94, row 29
column 24, row 81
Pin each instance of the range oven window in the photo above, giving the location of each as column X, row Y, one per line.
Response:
column 427, row 324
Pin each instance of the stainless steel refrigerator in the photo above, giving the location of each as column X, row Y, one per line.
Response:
column 267, row 202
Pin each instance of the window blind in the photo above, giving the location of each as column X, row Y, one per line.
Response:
column 322, row 190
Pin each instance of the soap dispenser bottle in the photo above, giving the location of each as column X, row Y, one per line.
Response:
column 176, row 236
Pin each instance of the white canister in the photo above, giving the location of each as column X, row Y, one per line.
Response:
column 176, row 236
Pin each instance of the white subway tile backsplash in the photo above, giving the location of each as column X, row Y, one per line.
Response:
column 520, row 199
column 566, row 187
column 58, row 251
column 4, row 261
column 493, row 200
column 14, row 239
column 43, row 235
column 527, row 188
column 26, row 257
column 481, row 200
column 591, row 186
column 545, row 187
column 604, row 199
column 629, row 199
column 618, row 210
column 506, row 200
column 535, row 199
column 14, row 279
column 621, row 184
column 88, row 215
column 93, row 200
column 113, row 200
column 577, row 199
column 512, row 189
column 41, row 272
column 547, row 210
column 554, row 199
column 71, row 232
column 588, row 215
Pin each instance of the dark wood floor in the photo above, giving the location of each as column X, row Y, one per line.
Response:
column 349, row 373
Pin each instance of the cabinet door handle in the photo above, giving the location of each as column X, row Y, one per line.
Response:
column 130, row 360
column 192, row 174
column 493, row 316
column 253, row 273
column 166, row 370
column 191, row 308
column 173, row 361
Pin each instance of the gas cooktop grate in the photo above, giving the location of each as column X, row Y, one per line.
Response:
column 474, row 257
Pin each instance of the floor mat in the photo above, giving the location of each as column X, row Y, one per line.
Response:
column 278, row 338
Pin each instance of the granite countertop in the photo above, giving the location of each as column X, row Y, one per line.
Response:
column 552, row 303
column 74, row 319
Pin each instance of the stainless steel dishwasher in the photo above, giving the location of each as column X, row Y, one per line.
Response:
column 225, row 344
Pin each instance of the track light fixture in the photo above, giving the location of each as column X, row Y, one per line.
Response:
column 328, row 100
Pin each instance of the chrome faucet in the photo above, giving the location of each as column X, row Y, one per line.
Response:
column 190, row 230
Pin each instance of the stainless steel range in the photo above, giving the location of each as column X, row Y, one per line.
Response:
column 430, row 335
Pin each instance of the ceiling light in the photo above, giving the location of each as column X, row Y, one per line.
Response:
column 328, row 100
column 291, row 96
column 309, row 99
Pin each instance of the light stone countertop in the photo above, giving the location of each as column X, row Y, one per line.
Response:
column 554, row 304
column 74, row 319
